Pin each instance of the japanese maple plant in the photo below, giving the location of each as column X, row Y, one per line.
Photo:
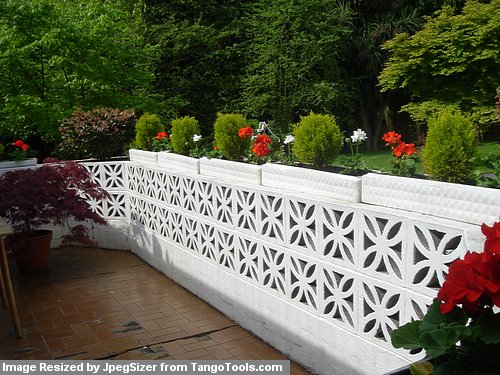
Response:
column 56, row 193
column 461, row 330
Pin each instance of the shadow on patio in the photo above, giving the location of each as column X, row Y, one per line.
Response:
column 106, row 304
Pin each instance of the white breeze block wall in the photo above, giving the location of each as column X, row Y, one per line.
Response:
column 325, row 281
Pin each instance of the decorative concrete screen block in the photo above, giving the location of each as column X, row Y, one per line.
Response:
column 303, row 180
column 324, row 280
column 169, row 160
column 231, row 170
column 470, row 204
column 143, row 157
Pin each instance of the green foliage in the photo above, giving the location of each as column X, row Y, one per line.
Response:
column 457, row 344
column 100, row 133
column 451, row 143
column 146, row 129
column 492, row 163
column 183, row 130
column 226, row 135
column 294, row 51
column 56, row 56
column 2, row 151
column 452, row 61
column 318, row 139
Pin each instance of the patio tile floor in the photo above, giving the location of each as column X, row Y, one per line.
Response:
column 106, row 304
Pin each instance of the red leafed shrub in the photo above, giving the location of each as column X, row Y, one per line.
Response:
column 100, row 133
column 55, row 193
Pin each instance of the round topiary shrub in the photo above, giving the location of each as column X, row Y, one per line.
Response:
column 100, row 133
column 183, row 130
column 318, row 139
column 451, row 142
column 146, row 129
column 228, row 142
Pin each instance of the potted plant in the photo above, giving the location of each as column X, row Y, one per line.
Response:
column 461, row 330
column 18, row 155
column 56, row 193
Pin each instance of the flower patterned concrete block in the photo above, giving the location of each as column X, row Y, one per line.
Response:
column 169, row 160
column 231, row 170
column 317, row 183
column 469, row 204
column 143, row 157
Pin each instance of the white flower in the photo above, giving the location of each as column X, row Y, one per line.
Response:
column 288, row 139
column 358, row 136
column 196, row 137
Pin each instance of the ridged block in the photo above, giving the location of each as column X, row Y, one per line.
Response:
column 317, row 183
column 168, row 160
column 143, row 157
column 469, row 204
column 231, row 170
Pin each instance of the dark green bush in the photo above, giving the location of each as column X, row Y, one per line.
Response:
column 451, row 143
column 100, row 133
column 183, row 130
column 318, row 139
column 226, row 135
column 146, row 129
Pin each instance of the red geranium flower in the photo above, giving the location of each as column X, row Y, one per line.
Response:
column 404, row 149
column 260, row 149
column 245, row 132
column 19, row 143
column 263, row 138
column 492, row 243
column 162, row 135
column 472, row 282
column 392, row 138
column 25, row 147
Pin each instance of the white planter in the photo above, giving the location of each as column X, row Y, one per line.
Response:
column 169, row 160
column 18, row 163
column 143, row 157
column 316, row 183
column 469, row 204
column 231, row 170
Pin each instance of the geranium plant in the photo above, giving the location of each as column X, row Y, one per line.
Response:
column 161, row 142
column 461, row 329
column 19, row 150
column 405, row 154
column 259, row 145
column 353, row 163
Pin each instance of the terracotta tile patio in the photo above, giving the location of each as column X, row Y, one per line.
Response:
column 105, row 304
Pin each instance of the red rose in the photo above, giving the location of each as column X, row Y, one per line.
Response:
column 392, row 138
column 245, row 132
column 25, row 147
column 492, row 243
column 18, row 143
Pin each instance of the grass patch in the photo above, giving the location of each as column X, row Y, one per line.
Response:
column 381, row 160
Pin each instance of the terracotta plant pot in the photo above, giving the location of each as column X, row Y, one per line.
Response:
column 31, row 249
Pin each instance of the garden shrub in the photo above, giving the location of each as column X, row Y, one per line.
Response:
column 182, row 133
column 146, row 129
column 318, row 139
column 451, row 143
column 100, row 133
column 226, row 135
